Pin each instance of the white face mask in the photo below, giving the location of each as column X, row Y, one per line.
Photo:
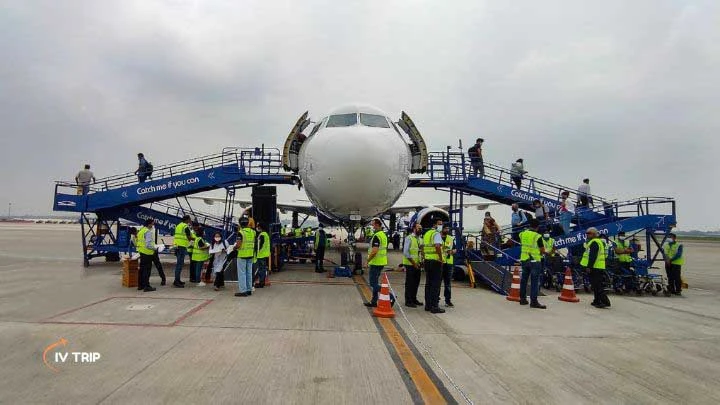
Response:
column 218, row 239
column 438, row 228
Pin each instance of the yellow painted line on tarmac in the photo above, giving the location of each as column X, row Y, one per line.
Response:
column 426, row 387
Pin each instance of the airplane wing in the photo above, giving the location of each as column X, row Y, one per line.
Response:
column 284, row 208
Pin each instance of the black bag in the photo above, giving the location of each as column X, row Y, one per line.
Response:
column 149, row 169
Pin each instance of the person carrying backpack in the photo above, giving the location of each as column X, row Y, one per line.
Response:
column 144, row 169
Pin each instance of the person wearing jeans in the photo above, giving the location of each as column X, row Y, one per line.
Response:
column 532, row 249
column 246, row 252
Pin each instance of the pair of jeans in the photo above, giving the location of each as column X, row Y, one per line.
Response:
column 180, row 253
column 530, row 270
column 262, row 265
column 447, row 273
column 374, row 279
column 565, row 219
column 142, row 178
column 245, row 274
column 196, row 269
column 412, row 283
column 433, row 279
column 478, row 167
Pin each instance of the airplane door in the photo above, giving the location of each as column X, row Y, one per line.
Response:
column 293, row 144
column 418, row 149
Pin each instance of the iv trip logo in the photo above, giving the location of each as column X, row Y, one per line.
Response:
column 53, row 358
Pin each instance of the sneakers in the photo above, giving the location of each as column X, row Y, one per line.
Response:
column 148, row 289
column 449, row 304
column 201, row 284
column 537, row 305
column 241, row 294
column 370, row 304
column 437, row 311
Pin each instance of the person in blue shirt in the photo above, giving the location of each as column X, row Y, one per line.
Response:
column 674, row 259
column 518, row 221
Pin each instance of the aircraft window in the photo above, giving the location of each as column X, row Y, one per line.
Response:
column 371, row 120
column 342, row 120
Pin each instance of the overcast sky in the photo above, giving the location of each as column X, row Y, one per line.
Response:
column 624, row 92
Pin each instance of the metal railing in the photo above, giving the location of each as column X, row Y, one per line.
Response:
column 250, row 161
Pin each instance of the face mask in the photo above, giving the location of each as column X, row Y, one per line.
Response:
column 546, row 236
column 218, row 239
column 438, row 228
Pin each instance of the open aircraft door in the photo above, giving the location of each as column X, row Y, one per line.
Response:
column 291, row 149
column 418, row 149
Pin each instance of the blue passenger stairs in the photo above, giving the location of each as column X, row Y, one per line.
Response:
column 451, row 171
column 123, row 197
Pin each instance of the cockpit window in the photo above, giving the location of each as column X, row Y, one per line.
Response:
column 342, row 120
column 371, row 120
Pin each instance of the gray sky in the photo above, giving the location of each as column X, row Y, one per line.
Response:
column 626, row 93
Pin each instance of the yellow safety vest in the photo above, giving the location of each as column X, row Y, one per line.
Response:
column 548, row 244
column 190, row 245
column 447, row 247
column 429, row 246
column 140, row 244
column 600, row 262
column 297, row 232
column 199, row 255
column 414, row 251
column 671, row 250
column 623, row 257
column 247, row 245
column 380, row 258
column 529, row 249
column 180, row 239
column 264, row 251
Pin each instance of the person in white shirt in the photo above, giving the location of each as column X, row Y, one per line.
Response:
column 584, row 196
column 219, row 258
column 83, row 179
column 566, row 211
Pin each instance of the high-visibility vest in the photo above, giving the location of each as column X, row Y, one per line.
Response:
column 190, row 245
column 623, row 257
column 264, row 251
column 447, row 247
column 380, row 258
column 671, row 251
column 180, row 239
column 199, row 255
column 141, row 242
column 414, row 251
column 429, row 245
column 247, row 245
column 318, row 242
column 297, row 232
column 529, row 249
column 600, row 261
column 548, row 244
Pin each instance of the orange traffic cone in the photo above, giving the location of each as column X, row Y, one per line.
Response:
column 514, row 293
column 568, row 290
column 384, row 307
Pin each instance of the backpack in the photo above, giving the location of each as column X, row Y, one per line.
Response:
column 149, row 169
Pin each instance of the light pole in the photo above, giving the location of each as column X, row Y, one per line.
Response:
column 9, row 209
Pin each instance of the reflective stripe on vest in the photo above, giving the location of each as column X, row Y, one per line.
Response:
column 247, row 246
column 264, row 251
column 529, row 249
column 414, row 251
column 447, row 247
column 623, row 257
column 141, row 242
column 380, row 258
column 600, row 261
column 180, row 239
column 429, row 245
column 199, row 255
column 671, row 251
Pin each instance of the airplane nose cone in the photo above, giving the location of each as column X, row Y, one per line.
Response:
column 364, row 172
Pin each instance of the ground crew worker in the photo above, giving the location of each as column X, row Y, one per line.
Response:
column 246, row 252
column 200, row 255
column 181, row 239
column 449, row 263
column 593, row 260
column 411, row 262
column 263, row 254
column 531, row 251
column 156, row 255
column 432, row 248
column 674, row 259
column 191, row 246
column 320, row 244
column 623, row 253
column 146, row 248
column 377, row 259
column 297, row 232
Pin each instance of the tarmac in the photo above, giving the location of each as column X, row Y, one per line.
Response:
column 309, row 340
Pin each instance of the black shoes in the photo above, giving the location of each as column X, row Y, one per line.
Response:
column 241, row 294
column 524, row 302
column 537, row 305
column 148, row 289
column 437, row 311
column 177, row 284
column 370, row 304
column 449, row 304
column 599, row 305
column 418, row 303
column 410, row 305
column 162, row 282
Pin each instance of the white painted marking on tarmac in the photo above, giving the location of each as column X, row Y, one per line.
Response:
column 135, row 307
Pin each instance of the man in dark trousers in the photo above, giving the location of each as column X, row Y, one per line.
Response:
column 320, row 243
column 593, row 260
column 476, row 158
column 432, row 248
column 674, row 259
column 531, row 251
column 411, row 262
column 146, row 248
